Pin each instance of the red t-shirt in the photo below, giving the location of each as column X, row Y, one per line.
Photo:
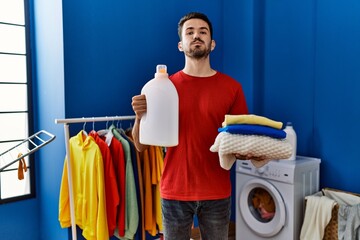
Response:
column 191, row 171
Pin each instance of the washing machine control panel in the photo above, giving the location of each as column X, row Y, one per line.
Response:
column 268, row 171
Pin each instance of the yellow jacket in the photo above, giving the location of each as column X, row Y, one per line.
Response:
column 88, row 189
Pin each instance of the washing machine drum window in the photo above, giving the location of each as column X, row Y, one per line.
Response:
column 262, row 207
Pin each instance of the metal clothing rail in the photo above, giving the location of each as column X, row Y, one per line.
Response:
column 25, row 148
column 66, row 123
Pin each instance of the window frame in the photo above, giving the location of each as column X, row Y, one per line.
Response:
column 30, row 108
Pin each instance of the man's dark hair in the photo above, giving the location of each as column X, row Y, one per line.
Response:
column 195, row 15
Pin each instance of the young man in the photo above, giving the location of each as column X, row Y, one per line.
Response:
column 193, row 181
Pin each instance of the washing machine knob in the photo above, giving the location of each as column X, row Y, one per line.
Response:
column 261, row 170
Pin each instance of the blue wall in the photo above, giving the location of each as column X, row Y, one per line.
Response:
column 337, row 87
column 112, row 49
column 49, row 104
column 311, row 72
column 297, row 61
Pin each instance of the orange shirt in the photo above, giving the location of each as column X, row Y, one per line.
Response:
column 152, row 166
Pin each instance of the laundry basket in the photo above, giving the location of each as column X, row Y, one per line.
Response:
column 331, row 229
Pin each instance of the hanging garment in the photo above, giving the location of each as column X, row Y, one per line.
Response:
column 349, row 222
column 317, row 216
column 148, row 210
column 138, row 235
column 118, row 157
column 22, row 167
column 152, row 166
column 88, row 189
column 138, row 168
column 131, row 210
column 111, row 188
column 157, row 199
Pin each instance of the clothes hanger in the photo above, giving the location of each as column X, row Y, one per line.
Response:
column 93, row 126
column 103, row 132
column 117, row 124
column 83, row 130
column 120, row 128
column 106, row 133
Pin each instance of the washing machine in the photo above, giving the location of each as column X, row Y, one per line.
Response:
column 270, row 199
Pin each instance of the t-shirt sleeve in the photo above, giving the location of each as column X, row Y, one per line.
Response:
column 239, row 105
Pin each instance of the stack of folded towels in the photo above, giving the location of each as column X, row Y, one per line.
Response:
column 257, row 136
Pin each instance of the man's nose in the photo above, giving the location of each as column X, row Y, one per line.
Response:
column 196, row 35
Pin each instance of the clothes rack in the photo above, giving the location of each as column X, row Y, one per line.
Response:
column 25, row 148
column 66, row 123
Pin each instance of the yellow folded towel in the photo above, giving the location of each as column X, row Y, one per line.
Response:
column 251, row 119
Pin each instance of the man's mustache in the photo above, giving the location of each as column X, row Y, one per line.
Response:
column 198, row 40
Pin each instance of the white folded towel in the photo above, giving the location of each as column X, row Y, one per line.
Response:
column 228, row 144
column 317, row 216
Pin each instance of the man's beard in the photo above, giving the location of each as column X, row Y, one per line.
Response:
column 198, row 53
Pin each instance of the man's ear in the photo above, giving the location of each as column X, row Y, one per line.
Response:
column 213, row 44
column 180, row 46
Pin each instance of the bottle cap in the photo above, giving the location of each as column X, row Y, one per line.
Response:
column 161, row 68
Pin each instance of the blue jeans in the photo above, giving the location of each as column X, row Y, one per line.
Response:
column 213, row 217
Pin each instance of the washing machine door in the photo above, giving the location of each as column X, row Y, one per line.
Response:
column 265, row 223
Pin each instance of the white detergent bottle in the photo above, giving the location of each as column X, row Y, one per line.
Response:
column 159, row 126
column 292, row 138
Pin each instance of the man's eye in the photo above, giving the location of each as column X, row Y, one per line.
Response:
column 190, row 33
column 203, row 32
